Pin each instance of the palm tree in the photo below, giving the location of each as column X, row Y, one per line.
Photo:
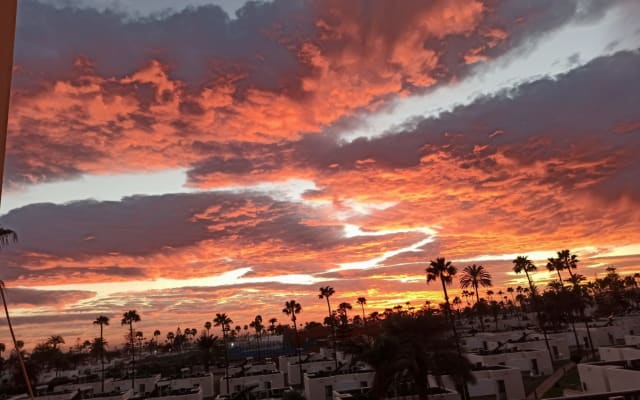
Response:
column 7, row 236
column 555, row 264
column 523, row 264
column 362, row 301
column 569, row 262
column 272, row 325
column 325, row 293
column 256, row 324
column 343, row 307
column 156, row 335
column 3, row 348
column 128, row 318
column 223, row 321
column 207, row 326
column 406, row 350
column 474, row 276
column 102, row 321
column 443, row 270
column 291, row 308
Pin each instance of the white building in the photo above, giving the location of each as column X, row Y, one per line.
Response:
column 434, row 394
column 534, row 362
column 611, row 376
column 321, row 385
column 496, row 382
column 293, row 372
column 257, row 381
column 191, row 381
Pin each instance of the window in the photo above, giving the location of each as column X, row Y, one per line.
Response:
column 328, row 392
column 267, row 385
column 363, row 384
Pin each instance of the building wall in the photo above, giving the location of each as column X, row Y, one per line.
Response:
column 592, row 378
column 487, row 383
column 317, row 388
column 205, row 382
column 265, row 381
column 520, row 359
column 149, row 384
column 293, row 372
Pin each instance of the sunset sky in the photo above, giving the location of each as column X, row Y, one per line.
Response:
column 226, row 157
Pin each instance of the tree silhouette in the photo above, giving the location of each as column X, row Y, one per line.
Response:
column 128, row 318
column 444, row 271
column 223, row 321
column 474, row 276
column 7, row 236
column 291, row 309
column 523, row 264
column 102, row 321
column 325, row 293
column 362, row 301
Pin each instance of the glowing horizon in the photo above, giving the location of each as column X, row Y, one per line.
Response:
column 229, row 163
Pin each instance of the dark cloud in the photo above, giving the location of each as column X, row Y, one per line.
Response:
column 22, row 297
column 583, row 125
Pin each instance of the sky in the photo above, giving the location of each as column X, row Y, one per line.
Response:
column 190, row 158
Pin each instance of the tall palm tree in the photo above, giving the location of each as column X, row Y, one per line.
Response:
column 102, row 321
column 207, row 326
column 291, row 308
column 474, row 276
column 523, row 264
column 7, row 236
column 570, row 262
column 256, row 324
column 362, row 301
column 555, row 264
column 343, row 307
column 128, row 318
column 156, row 335
column 223, row 321
column 272, row 325
column 325, row 293
column 444, row 271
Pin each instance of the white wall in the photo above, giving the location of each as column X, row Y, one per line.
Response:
column 516, row 359
column 205, row 382
column 316, row 387
column 274, row 380
column 293, row 372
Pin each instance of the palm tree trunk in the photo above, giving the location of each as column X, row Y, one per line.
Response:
column 465, row 394
column 133, row 358
column 475, row 287
column 537, row 308
column 15, row 343
column 333, row 330
column 226, row 359
column 102, row 357
column 295, row 330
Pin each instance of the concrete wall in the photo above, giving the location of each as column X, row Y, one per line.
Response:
column 315, row 388
column 205, row 382
column 517, row 359
column 264, row 381
column 147, row 383
column 607, row 378
column 293, row 372
column 487, row 383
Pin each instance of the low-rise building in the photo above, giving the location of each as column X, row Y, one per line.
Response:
column 264, row 380
column 534, row 362
column 495, row 382
column 609, row 376
column 293, row 372
column 321, row 385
